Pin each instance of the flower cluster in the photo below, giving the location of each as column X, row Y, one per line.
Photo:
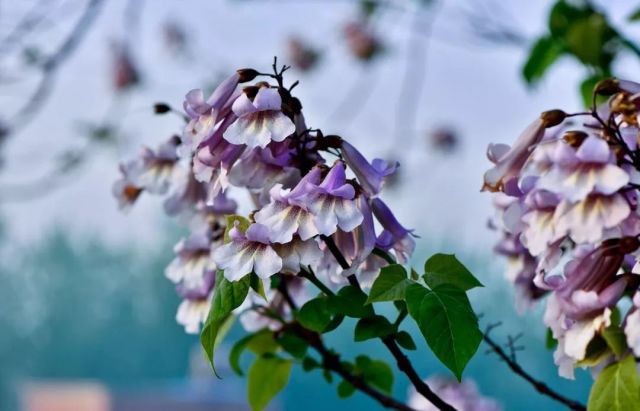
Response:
column 567, row 201
column 310, row 194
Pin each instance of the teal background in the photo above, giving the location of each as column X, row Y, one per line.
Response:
column 79, row 309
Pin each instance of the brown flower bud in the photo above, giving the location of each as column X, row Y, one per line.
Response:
column 161, row 108
column 607, row 87
column 574, row 138
column 246, row 74
column 552, row 117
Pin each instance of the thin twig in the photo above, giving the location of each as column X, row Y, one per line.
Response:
column 402, row 360
column 541, row 387
column 331, row 361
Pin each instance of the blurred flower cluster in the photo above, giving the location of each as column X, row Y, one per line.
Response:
column 311, row 195
column 567, row 201
column 463, row 396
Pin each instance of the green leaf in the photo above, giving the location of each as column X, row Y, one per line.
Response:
column 375, row 372
column 563, row 15
column 585, row 39
column 543, row 54
column 446, row 269
column 257, row 285
column 447, row 322
column 350, row 301
column 597, row 351
column 236, row 352
column 267, row 377
column 616, row 339
column 227, row 297
column 243, row 224
column 293, row 344
column 586, row 89
column 550, row 342
column 390, row 284
column 314, row 315
column 309, row 364
column 405, row 340
column 260, row 342
column 372, row 327
column 617, row 388
column 345, row 389
column 635, row 16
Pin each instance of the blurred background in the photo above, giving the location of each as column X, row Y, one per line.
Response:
column 86, row 315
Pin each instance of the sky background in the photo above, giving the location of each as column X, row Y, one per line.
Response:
column 470, row 86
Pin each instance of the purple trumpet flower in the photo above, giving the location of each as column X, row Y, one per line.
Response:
column 260, row 120
column 127, row 188
column 247, row 252
column 206, row 114
column 509, row 161
column 371, row 176
column 159, row 167
column 332, row 203
column 591, row 283
column 394, row 236
column 288, row 213
column 192, row 263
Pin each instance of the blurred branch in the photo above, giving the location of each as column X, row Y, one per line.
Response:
column 51, row 65
column 541, row 387
column 29, row 22
column 331, row 361
column 413, row 80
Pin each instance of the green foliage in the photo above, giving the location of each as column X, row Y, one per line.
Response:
column 405, row 340
column 616, row 339
column 227, row 297
column 260, row 342
column 550, row 343
column 293, row 344
column 578, row 30
column 267, row 377
column 372, row 327
column 447, row 322
column 544, row 53
column 390, row 284
column 314, row 314
column 446, row 269
column 345, row 389
column 243, row 224
column 374, row 372
column 350, row 301
column 617, row 388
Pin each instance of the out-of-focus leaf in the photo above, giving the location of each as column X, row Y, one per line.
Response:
column 635, row 16
column 405, row 340
column 375, row 372
column 345, row 389
column 543, row 54
column 314, row 314
column 293, row 344
column 260, row 342
column 617, row 388
column 616, row 339
column 267, row 377
column 586, row 89
column 243, row 224
column 372, row 327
